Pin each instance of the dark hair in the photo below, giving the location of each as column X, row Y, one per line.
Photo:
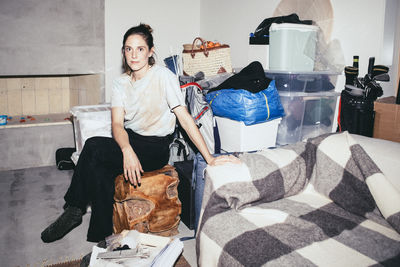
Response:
column 145, row 31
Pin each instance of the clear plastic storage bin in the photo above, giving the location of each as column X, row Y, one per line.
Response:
column 315, row 81
column 89, row 121
column 292, row 46
column 307, row 115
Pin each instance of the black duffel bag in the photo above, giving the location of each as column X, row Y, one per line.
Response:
column 63, row 158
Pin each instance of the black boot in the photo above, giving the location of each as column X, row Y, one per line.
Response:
column 71, row 218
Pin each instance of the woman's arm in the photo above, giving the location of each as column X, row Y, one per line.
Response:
column 131, row 163
column 194, row 134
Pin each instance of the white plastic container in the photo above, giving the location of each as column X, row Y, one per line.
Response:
column 235, row 136
column 292, row 47
column 89, row 121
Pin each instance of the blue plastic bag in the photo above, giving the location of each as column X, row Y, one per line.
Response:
column 243, row 105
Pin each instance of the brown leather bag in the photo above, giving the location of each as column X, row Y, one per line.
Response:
column 153, row 207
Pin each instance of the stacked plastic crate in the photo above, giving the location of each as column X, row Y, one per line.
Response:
column 309, row 101
column 308, row 96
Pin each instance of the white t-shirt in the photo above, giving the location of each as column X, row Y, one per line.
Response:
column 148, row 102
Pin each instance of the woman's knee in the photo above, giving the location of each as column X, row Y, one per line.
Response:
column 104, row 150
column 94, row 141
column 95, row 145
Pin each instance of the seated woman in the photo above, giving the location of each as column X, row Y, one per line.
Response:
column 146, row 100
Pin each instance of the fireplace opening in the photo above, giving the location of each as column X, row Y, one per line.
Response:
column 36, row 100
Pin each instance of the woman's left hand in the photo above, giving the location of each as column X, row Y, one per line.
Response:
column 132, row 166
column 220, row 160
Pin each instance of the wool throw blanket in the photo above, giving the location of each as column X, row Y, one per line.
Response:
column 323, row 202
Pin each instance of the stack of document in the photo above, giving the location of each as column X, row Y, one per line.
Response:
column 169, row 254
column 131, row 248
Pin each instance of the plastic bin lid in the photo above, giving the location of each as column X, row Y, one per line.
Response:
column 312, row 73
column 89, row 108
column 292, row 26
column 304, row 94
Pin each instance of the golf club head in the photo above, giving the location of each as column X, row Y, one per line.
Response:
column 379, row 69
column 384, row 77
column 373, row 90
column 367, row 79
column 359, row 82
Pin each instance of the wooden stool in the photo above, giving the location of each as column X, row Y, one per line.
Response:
column 153, row 207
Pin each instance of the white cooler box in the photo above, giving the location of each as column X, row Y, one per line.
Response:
column 235, row 136
column 89, row 121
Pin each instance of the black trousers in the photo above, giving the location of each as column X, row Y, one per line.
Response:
column 100, row 162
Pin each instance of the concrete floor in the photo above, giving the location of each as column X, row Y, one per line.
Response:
column 30, row 200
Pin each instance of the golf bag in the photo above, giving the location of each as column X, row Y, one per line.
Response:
column 356, row 107
column 356, row 114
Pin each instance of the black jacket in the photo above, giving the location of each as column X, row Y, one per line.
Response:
column 252, row 78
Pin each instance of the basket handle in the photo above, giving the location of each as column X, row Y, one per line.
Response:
column 204, row 46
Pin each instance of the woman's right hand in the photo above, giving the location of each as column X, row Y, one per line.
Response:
column 132, row 166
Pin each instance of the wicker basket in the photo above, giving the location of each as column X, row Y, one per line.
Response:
column 210, row 61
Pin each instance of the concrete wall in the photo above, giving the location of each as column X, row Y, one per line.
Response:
column 27, row 147
column 51, row 37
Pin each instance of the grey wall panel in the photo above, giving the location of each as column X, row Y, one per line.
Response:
column 51, row 37
column 27, row 147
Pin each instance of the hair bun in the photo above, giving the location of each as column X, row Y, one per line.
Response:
column 147, row 27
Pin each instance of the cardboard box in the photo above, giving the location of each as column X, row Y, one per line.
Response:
column 387, row 119
column 235, row 136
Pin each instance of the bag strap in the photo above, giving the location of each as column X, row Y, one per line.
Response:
column 191, row 84
column 204, row 46
column 266, row 103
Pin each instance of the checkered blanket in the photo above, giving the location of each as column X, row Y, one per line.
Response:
column 323, row 202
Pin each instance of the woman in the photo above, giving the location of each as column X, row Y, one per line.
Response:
column 145, row 102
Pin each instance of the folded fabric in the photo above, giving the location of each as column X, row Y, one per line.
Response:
column 263, row 28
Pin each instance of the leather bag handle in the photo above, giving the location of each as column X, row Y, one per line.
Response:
column 204, row 46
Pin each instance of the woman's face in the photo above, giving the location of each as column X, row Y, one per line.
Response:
column 137, row 52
